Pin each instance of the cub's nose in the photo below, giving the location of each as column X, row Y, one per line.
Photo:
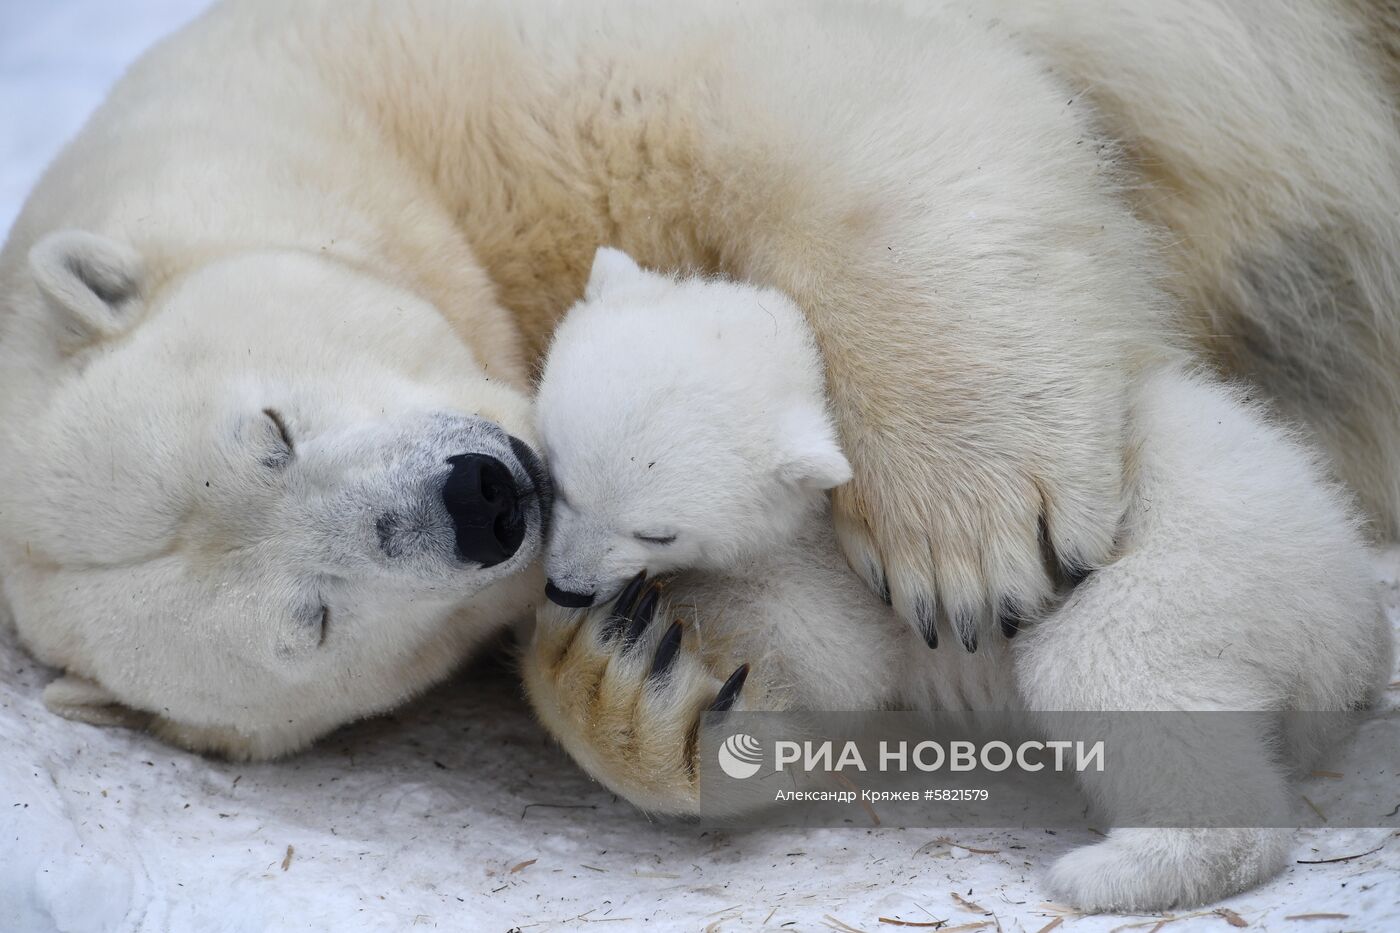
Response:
column 567, row 598
column 481, row 497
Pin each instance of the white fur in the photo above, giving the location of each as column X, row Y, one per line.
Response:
column 189, row 570
column 379, row 211
column 622, row 416
column 1242, row 584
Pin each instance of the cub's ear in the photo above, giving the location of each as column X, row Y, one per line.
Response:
column 611, row 268
column 83, row 700
column 809, row 454
column 91, row 284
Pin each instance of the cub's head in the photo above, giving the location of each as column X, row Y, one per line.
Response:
column 271, row 497
column 685, row 425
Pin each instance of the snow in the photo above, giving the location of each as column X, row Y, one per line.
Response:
column 458, row 812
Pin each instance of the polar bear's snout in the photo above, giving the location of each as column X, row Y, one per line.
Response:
column 483, row 502
column 462, row 494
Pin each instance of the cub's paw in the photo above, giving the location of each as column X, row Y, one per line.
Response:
column 623, row 690
column 1150, row 870
column 971, row 550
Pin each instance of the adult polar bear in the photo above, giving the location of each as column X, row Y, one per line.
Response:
column 350, row 226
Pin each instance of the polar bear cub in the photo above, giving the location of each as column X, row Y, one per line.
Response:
column 652, row 381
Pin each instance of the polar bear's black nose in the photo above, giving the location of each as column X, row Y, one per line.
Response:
column 481, row 498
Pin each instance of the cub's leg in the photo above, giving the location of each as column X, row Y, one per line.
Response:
column 1244, row 586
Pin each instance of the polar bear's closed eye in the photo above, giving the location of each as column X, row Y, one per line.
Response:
column 686, row 425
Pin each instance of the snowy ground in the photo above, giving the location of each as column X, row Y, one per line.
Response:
column 458, row 813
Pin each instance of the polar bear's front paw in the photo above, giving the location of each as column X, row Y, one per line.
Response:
column 976, row 550
column 624, row 696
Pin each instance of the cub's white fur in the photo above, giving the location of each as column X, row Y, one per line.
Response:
column 1242, row 584
column 645, row 475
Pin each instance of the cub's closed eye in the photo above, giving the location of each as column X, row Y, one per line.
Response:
column 655, row 539
column 276, row 418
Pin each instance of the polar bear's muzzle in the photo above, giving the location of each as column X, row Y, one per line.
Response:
column 443, row 494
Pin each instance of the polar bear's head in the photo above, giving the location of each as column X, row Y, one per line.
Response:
column 685, row 423
column 271, row 497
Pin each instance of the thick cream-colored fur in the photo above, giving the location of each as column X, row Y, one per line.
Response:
column 982, row 298
column 1262, row 138
column 993, row 226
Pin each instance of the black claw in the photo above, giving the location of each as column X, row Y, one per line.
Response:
column 966, row 627
column 926, row 614
column 730, row 691
column 622, row 606
column 1075, row 573
column 642, row 616
column 880, row 585
column 1012, row 616
column 1047, row 550
column 1067, row 572
column 628, row 597
column 666, row 651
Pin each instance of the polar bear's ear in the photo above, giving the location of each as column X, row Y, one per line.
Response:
column 809, row 454
column 611, row 268
column 83, row 700
column 91, row 284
